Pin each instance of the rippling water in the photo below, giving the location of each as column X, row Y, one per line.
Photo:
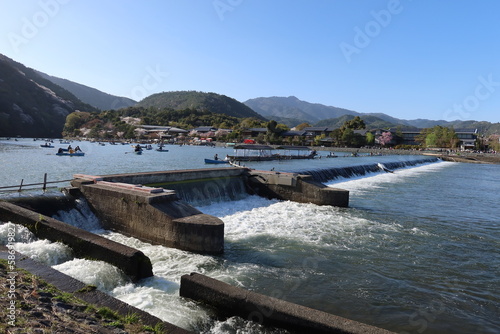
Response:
column 416, row 251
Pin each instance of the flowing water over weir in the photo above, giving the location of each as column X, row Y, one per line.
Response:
column 327, row 174
column 208, row 191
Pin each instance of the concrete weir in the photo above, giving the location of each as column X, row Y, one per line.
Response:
column 230, row 300
column 143, row 205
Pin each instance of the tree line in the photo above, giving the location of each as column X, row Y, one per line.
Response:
column 120, row 124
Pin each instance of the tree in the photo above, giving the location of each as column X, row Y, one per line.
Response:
column 438, row 136
column 370, row 138
column 356, row 124
column 385, row 138
column 302, row 126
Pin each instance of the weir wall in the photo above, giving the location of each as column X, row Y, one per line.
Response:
column 133, row 203
column 296, row 188
column 157, row 218
column 84, row 244
column 230, row 300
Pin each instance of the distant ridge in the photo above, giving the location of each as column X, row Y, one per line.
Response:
column 216, row 103
column 292, row 111
column 92, row 96
column 32, row 106
column 292, row 107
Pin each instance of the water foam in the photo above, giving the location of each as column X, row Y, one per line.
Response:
column 104, row 276
column 409, row 174
column 81, row 216
column 21, row 233
column 46, row 252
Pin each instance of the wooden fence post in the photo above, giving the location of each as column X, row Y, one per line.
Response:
column 44, row 182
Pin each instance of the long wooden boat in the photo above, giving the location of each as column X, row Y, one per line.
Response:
column 74, row 154
column 161, row 150
column 253, row 152
column 211, row 161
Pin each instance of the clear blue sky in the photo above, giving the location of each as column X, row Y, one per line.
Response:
column 408, row 58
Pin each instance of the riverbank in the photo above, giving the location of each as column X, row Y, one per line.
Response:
column 38, row 299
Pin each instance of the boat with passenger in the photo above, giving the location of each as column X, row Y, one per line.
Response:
column 68, row 154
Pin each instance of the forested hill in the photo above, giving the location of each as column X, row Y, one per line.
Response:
column 216, row 103
column 31, row 106
column 92, row 96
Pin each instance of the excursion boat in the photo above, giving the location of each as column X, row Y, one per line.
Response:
column 253, row 152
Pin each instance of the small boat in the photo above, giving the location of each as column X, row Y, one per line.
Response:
column 212, row 161
column 138, row 152
column 161, row 150
column 47, row 145
column 74, row 154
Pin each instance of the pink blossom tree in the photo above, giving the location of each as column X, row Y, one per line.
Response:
column 385, row 138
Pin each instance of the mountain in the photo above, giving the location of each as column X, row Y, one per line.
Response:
column 216, row 103
column 30, row 105
column 292, row 111
column 92, row 96
column 292, row 107
column 372, row 122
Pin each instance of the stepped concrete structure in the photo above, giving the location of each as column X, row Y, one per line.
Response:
column 143, row 205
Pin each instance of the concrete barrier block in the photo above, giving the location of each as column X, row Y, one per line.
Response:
column 230, row 301
column 84, row 244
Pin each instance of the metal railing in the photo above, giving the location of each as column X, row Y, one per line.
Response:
column 22, row 185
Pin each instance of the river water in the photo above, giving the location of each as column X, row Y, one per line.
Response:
column 417, row 251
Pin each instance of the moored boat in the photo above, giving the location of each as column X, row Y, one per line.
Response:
column 254, row 152
column 212, row 161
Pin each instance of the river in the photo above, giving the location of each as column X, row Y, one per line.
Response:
column 417, row 251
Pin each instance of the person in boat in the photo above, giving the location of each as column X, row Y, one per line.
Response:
column 138, row 148
column 60, row 150
column 78, row 149
column 70, row 148
column 216, row 157
column 227, row 158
